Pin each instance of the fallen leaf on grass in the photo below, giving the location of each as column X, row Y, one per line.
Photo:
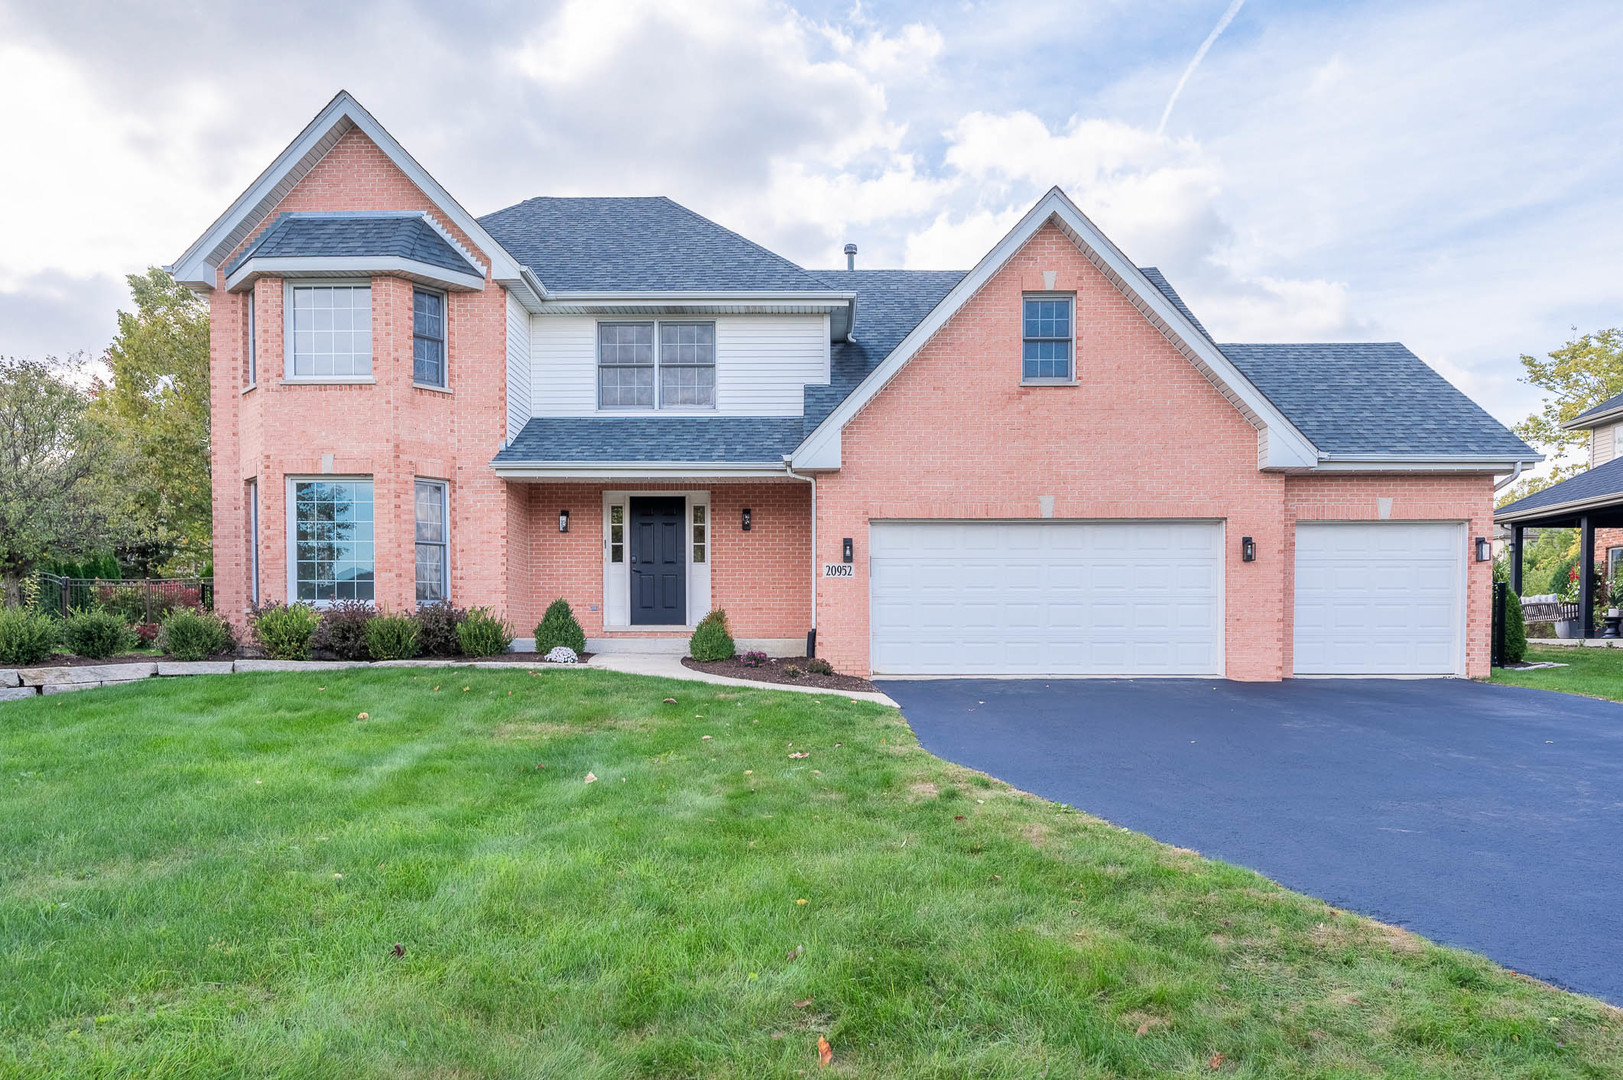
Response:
column 363, row 716
column 670, row 701
column 1215, row 1061
column 704, row 736
column 1144, row 1028
column 465, row 689
column 803, row 1004
column 777, row 1034
column 825, row 1053
column 591, row 779
column 802, row 901
column 794, row 953
column 399, row 949
column 958, row 817
column 799, row 754
column 539, row 766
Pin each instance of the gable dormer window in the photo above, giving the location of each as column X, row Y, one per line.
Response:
column 679, row 374
column 1048, row 334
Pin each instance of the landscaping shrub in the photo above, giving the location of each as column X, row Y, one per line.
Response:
column 482, row 633
column 436, row 629
column 285, row 631
column 710, row 640
column 148, row 632
column 194, row 635
column 343, row 629
column 392, row 637
column 27, row 637
column 558, row 627
column 754, row 658
column 97, row 634
column 818, row 666
column 1515, row 629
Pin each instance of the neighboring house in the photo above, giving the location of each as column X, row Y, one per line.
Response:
column 1041, row 466
column 1591, row 502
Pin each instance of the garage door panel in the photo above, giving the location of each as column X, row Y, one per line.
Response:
column 1379, row 598
column 1127, row 598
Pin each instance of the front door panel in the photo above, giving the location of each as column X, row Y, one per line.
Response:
column 659, row 571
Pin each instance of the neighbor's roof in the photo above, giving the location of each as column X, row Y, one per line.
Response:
column 1373, row 398
column 1613, row 404
column 1601, row 482
column 405, row 235
column 638, row 245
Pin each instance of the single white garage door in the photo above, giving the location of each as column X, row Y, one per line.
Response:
column 1046, row 598
column 1380, row 598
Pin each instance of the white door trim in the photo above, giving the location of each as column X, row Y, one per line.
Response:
column 617, row 576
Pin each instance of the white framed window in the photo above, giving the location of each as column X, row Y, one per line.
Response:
column 701, row 541
column 253, row 345
column 1047, row 338
column 617, row 533
column 428, row 338
column 253, row 541
column 329, row 331
column 656, row 364
column 432, row 513
column 330, row 547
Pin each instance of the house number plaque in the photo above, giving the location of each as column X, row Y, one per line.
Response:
column 839, row 569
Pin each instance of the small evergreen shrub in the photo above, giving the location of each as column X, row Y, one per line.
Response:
column 97, row 634
column 26, row 636
column 1515, row 629
column 343, row 629
column 710, row 640
column 194, row 635
column 436, row 629
column 559, row 627
column 392, row 637
column 818, row 666
column 285, row 631
column 482, row 633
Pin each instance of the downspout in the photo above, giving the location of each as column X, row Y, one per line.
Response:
column 788, row 467
column 1511, row 479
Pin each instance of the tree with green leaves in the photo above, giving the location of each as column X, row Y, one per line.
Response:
column 51, row 456
column 1578, row 376
column 155, row 415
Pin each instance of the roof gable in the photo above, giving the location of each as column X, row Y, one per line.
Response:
column 198, row 266
column 1280, row 444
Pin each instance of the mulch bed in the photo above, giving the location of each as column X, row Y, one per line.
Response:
column 67, row 660
column 773, row 672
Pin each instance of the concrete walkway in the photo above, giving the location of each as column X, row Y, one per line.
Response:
column 670, row 667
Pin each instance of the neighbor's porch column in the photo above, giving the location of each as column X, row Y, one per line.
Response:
column 1516, row 559
column 1586, row 577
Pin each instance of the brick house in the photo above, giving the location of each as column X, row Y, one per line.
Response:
column 1043, row 465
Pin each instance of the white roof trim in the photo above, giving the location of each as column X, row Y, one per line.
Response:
column 297, row 266
column 1411, row 463
column 1280, row 444
column 635, row 470
column 198, row 267
column 1586, row 422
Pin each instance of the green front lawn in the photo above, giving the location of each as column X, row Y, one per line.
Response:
column 209, row 876
column 1593, row 672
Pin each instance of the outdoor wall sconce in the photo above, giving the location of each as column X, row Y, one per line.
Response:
column 1248, row 549
column 746, row 519
column 563, row 521
column 848, row 554
column 1484, row 550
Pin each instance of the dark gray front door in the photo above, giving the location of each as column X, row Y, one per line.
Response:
column 659, row 568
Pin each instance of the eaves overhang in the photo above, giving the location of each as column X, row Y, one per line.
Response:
column 638, row 470
column 840, row 306
column 349, row 266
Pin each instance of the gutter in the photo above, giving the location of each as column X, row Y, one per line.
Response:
column 1511, row 479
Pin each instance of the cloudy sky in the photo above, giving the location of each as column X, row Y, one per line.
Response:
column 1448, row 173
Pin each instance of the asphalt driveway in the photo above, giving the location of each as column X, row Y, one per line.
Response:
column 1487, row 817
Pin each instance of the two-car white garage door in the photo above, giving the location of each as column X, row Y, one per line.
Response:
column 1046, row 598
column 1146, row 598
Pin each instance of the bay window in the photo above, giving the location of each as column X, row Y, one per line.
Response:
column 332, row 540
column 330, row 331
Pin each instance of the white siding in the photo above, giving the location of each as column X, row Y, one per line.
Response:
column 762, row 363
column 1603, row 445
column 518, row 366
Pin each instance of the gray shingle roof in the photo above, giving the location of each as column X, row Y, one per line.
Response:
column 400, row 235
column 1613, row 402
column 1596, row 483
column 585, row 439
column 1372, row 398
column 642, row 244
column 1159, row 280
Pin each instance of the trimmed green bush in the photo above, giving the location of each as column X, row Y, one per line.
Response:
column 818, row 666
column 1515, row 629
column 285, row 631
column 194, row 635
column 97, row 635
column 343, row 629
column 27, row 637
column 482, row 633
column 710, row 640
column 392, row 637
column 436, row 629
column 559, row 627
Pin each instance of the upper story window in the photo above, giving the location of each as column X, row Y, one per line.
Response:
column 684, row 376
column 1047, row 335
column 427, row 338
column 253, row 346
column 331, row 332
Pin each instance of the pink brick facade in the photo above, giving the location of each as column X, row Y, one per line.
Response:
column 1143, row 435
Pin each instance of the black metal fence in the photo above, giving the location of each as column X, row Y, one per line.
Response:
column 139, row 600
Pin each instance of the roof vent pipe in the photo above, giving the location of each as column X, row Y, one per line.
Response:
column 850, row 256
